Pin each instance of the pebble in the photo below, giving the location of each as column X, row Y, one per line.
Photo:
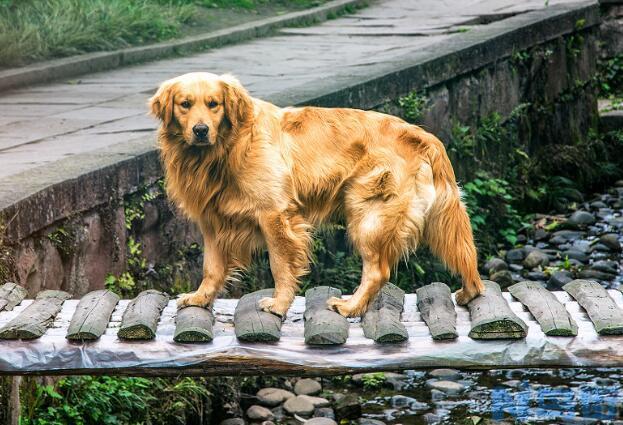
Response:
column 324, row 412
column 316, row 401
column 536, row 259
column 307, row 386
column 233, row 421
column 580, row 219
column 348, row 407
column 495, row 265
column 504, row 278
column 447, row 387
column 400, row 401
column 606, row 266
column 536, row 275
column 515, row 255
column 370, row 421
column 541, row 234
column 259, row 413
column 272, row 397
column 611, row 240
column 575, row 254
column 320, row 421
column 595, row 274
column 298, row 406
column 559, row 279
column 446, row 374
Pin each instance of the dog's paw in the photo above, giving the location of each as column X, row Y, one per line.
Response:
column 193, row 299
column 272, row 305
column 463, row 297
column 345, row 308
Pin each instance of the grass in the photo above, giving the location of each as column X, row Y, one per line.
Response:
column 33, row 30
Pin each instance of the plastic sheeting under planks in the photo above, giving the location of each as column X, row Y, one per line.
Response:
column 53, row 353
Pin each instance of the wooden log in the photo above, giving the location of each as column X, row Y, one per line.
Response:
column 435, row 304
column 323, row 326
column 11, row 294
column 382, row 320
column 492, row 317
column 33, row 321
column 545, row 307
column 92, row 315
column 253, row 324
column 606, row 316
column 141, row 316
column 193, row 324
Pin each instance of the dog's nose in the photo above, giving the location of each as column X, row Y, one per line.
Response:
column 200, row 130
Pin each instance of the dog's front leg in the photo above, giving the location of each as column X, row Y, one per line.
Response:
column 288, row 240
column 215, row 267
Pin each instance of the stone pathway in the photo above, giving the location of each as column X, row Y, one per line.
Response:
column 47, row 123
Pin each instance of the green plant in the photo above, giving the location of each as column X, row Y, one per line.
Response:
column 372, row 381
column 134, row 208
column 413, row 105
column 63, row 240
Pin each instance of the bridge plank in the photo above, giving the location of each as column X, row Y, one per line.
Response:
column 140, row 319
column 606, row 316
column 253, row 324
column 193, row 324
column 382, row 320
column 551, row 314
column 492, row 317
column 434, row 301
column 11, row 294
column 33, row 321
column 323, row 326
column 92, row 315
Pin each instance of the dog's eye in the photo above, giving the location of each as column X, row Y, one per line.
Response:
column 212, row 105
column 185, row 104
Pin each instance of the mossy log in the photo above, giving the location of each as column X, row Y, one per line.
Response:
column 92, row 315
column 11, row 294
column 382, row 320
column 33, row 321
column 140, row 318
column 435, row 304
column 551, row 314
column 599, row 305
column 492, row 317
column 323, row 326
column 253, row 324
column 194, row 324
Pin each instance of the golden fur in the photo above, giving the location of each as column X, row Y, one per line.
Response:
column 265, row 176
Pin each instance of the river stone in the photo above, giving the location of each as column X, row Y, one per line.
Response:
column 606, row 266
column 272, row 397
column 595, row 274
column 348, row 407
column 541, row 234
column 233, row 421
column 495, row 265
column 580, row 219
column 321, row 421
column 298, row 406
column 536, row 275
column 446, row 374
column 598, row 205
column 316, row 401
column 447, row 387
column 575, row 254
column 536, row 259
column 611, row 240
column 400, row 401
column 324, row 412
column 566, row 236
column 504, row 278
column 559, row 279
column 307, row 386
column 259, row 413
column 370, row 421
column 515, row 255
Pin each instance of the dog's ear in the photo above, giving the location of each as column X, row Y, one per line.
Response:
column 161, row 104
column 237, row 102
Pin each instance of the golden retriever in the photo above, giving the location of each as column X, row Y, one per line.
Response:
column 253, row 176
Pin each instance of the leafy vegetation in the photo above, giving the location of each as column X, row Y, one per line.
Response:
column 413, row 105
column 373, row 381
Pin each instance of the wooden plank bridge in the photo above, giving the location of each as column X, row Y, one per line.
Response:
column 101, row 334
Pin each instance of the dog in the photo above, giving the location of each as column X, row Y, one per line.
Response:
column 253, row 175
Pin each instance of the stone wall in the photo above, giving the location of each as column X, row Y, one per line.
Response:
column 87, row 232
column 611, row 28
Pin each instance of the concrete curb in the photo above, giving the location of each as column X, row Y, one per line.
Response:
column 83, row 182
column 98, row 61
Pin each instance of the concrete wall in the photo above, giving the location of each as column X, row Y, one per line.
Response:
column 546, row 58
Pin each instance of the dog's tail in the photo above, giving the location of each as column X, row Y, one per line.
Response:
column 448, row 231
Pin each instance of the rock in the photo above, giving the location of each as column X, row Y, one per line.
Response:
column 418, row 405
column 611, row 240
column 272, row 397
column 595, row 274
column 431, row 418
column 321, row 421
column 268, row 423
column 580, row 219
column 348, row 407
column 515, row 255
column 504, row 278
column 401, row 401
column 307, row 386
column 575, row 254
column 396, row 380
column 446, row 374
column 259, row 413
column 559, row 279
column 495, row 265
column 437, row 395
column 566, row 236
column 598, row 205
column 316, row 401
column 515, row 267
column 369, row 421
column 536, row 259
column 536, row 276
column 233, row 421
column 606, row 266
column 448, row 387
column 541, row 234
column 324, row 412
column 298, row 406
column 513, row 383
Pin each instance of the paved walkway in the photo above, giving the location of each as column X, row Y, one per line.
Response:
column 47, row 123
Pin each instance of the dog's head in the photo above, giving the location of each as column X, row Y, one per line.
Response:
column 202, row 108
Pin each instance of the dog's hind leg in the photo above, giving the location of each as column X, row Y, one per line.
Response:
column 288, row 239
